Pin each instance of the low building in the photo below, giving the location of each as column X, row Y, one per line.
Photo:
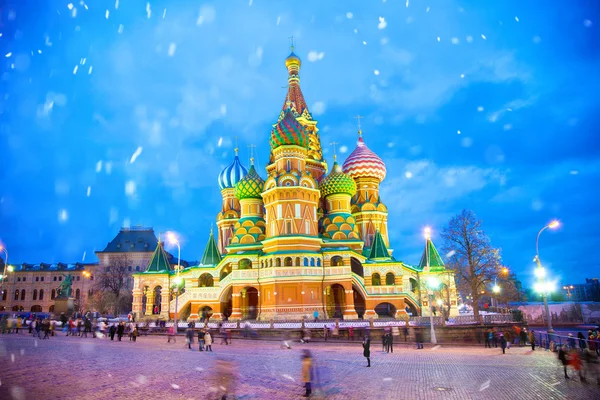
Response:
column 588, row 291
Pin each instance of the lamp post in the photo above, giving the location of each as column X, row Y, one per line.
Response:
column 568, row 289
column 542, row 286
column 432, row 284
column 85, row 274
column 174, row 240
column 496, row 289
column 5, row 268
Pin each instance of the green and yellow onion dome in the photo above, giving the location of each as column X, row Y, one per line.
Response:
column 250, row 186
column 337, row 182
column 288, row 132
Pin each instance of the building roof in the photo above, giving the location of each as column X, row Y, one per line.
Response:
column 130, row 240
column 363, row 162
column 378, row 248
column 232, row 173
column 159, row 263
column 211, row 254
column 250, row 186
column 288, row 131
column 431, row 255
column 41, row 267
column 337, row 182
column 294, row 93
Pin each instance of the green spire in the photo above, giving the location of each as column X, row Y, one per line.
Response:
column 211, row 254
column 159, row 263
column 378, row 249
column 430, row 254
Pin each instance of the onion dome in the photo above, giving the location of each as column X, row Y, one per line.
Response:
column 232, row 173
column 362, row 162
column 250, row 186
column 288, row 132
column 337, row 182
column 292, row 60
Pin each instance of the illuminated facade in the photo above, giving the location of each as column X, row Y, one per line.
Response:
column 298, row 240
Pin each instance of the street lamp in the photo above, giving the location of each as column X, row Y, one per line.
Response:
column 568, row 289
column 543, row 286
column 85, row 274
column 5, row 268
column 173, row 240
column 432, row 284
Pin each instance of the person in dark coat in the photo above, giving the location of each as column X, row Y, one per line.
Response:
column 189, row 337
column 503, row 343
column 111, row 331
column 120, row 331
column 390, row 343
column 419, row 339
column 367, row 350
column 523, row 336
column 562, row 357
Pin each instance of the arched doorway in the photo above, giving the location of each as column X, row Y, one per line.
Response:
column 287, row 262
column 249, row 303
column 385, row 310
column 36, row 308
column 144, row 299
column 359, row 303
column 337, row 261
column 157, row 303
column 357, row 267
column 206, row 280
column 335, row 296
column 225, row 271
column 245, row 263
column 226, row 303
column 205, row 312
column 410, row 308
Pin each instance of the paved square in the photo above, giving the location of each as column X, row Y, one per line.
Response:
column 87, row 368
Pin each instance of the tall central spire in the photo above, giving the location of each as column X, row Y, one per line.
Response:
column 294, row 94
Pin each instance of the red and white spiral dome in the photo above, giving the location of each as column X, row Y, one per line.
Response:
column 362, row 162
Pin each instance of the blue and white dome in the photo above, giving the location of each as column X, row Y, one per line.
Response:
column 232, row 173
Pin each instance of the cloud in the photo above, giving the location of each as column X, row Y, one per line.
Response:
column 315, row 55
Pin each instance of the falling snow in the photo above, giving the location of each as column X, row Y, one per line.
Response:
column 148, row 10
column 382, row 24
column 172, row 47
column 135, row 155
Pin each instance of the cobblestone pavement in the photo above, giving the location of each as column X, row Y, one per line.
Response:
column 74, row 367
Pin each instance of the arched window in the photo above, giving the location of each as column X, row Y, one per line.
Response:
column 137, row 268
column 318, row 262
column 77, row 294
column 51, row 308
column 23, row 294
column 130, row 268
column 337, row 261
column 305, row 262
column 312, row 262
column 34, row 294
column 245, row 263
column 278, row 262
column 4, row 295
column 390, row 279
column 205, row 280
column 53, row 294
column 41, row 294
column 287, row 262
column 297, row 261
column 375, row 279
column 17, row 294
column 413, row 285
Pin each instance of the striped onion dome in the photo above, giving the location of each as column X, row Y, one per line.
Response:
column 362, row 162
column 232, row 173
column 337, row 182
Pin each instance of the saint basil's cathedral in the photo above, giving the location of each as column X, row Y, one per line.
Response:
column 301, row 239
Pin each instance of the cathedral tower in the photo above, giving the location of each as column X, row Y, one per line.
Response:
column 230, row 209
column 367, row 170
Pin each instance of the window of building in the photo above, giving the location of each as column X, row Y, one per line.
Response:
column 17, row 294
column 279, row 211
column 375, row 279
column 55, row 279
column 297, row 210
column 37, row 278
column 4, row 295
column 288, row 227
column 53, row 294
column 34, row 294
column 289, row 165
column 60, row 278
column 24, row 279
column 77, row 294
column 130, row 268
column 42, row 279
column 77, row 278
column 23, row 294
column 41, row 294
column 19, row 279
column 307, row 227
column 390, row 279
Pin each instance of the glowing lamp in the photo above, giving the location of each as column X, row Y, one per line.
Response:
column 439, row 301
column 427, row 232
column 433, row 282
column 554, row 224
column 178, row 280
column 10, row 268
column 172, row 238
column 496, row 289
column 540, row 273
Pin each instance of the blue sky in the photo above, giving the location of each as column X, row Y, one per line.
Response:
column 490, row 106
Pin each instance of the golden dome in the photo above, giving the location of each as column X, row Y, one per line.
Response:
column 292, row 59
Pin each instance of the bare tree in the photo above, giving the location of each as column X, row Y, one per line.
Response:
column 111, row 283
column 471, row 255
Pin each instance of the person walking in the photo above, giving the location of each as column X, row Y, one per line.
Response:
column 581, row 338
column 18, row 324
column 532, row 339
column 307, row 372
column 351, row 334
column 503, row 343
column 135, row 333
column 390, row 343
column 223, row 333
column 325, row 332
column 523, row 336
column 208, row 341
column 384, row 342
column 562, row 357
column 200, row 340
column 405, row 332
column 419, row 339
column 111, row 331
column 367, row 350
column 120, row 331
column 316, row 315
column 189, row 337
column 171, row 334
